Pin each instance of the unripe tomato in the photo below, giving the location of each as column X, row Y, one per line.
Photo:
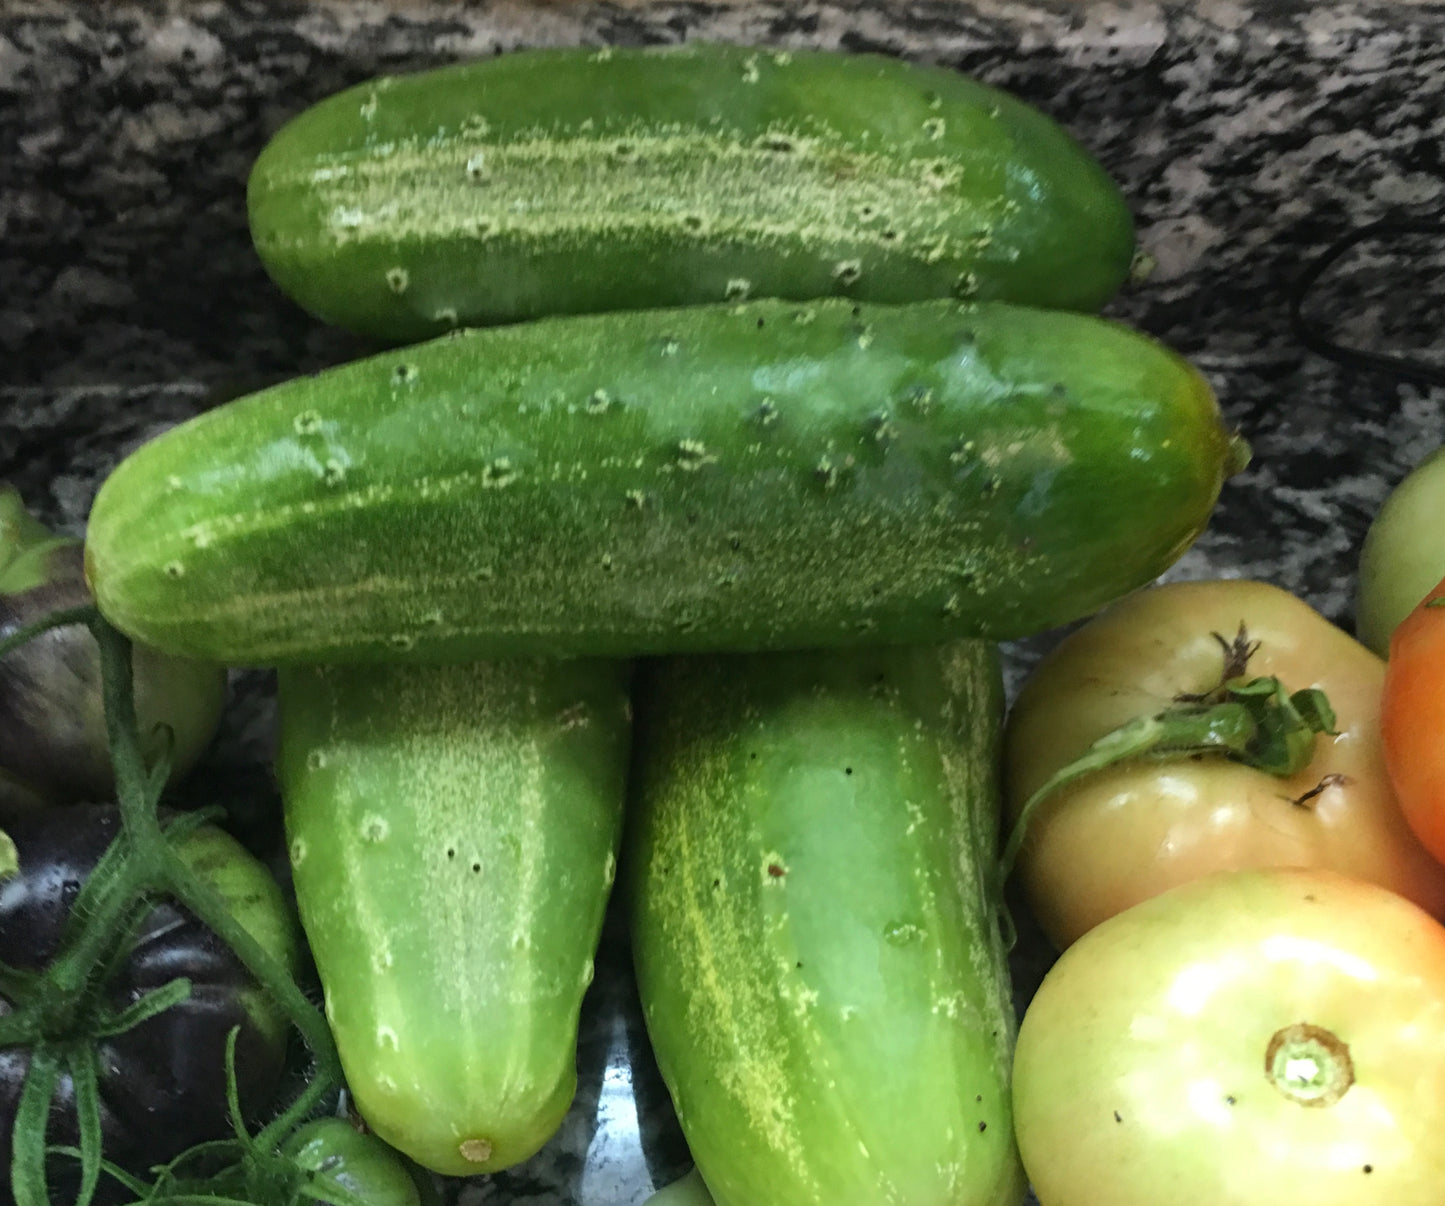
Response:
column 1254, row 1038
column 1403, row 554
column 1129, row 831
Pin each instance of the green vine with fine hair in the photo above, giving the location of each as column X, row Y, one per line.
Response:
column 59, row 1013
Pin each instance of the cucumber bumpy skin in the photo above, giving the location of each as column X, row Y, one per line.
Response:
column 765, row 476
column 812, row 874
column 579, row 180
column 453, row 834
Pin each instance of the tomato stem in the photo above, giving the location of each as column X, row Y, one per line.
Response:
column 84, row 614
column 58, row 1012
column 1254, row 721
column 27, row 1160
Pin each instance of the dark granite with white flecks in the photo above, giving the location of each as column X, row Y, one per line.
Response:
column 1249, row 135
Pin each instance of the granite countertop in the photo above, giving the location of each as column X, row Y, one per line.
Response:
column 1247, row 134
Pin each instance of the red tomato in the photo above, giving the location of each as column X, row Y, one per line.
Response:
column 1412, row 717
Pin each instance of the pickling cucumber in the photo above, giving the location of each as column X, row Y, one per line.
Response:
column 769, row 475
column 814, row 913
column 572, row 180
column 453, row 833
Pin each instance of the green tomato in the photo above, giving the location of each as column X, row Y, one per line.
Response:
column 335, row 1151
column 1403, row 555
column 1253, row 1038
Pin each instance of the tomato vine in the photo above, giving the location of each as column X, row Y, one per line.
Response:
column 60, row 1013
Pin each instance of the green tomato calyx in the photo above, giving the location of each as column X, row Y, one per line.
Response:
column 1309, row 1064
column 1255, row 721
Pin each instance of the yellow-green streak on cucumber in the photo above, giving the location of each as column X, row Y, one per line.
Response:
column 815, row 925
column 577, row 180
column 770, row 475
column 453, row 833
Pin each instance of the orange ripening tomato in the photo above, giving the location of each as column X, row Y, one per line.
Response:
column 1412, row 719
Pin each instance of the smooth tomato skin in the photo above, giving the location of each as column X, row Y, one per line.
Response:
column 1402, row 554
column 1413, row 719
column 333, row 1149
column 1125, row 833
column 1143, row 1073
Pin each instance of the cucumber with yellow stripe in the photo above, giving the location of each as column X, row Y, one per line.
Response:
column 453, row 834
column 812, row 876
column 771, row 475
column 575, row 180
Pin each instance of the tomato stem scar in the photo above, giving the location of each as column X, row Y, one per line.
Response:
column 1309, row 1064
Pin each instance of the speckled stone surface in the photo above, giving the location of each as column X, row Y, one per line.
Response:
column 1247, row 135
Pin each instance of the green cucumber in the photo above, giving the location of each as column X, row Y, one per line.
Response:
column 453, row 833
column 811, row 859
column 575, row 180
column 769, row 475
